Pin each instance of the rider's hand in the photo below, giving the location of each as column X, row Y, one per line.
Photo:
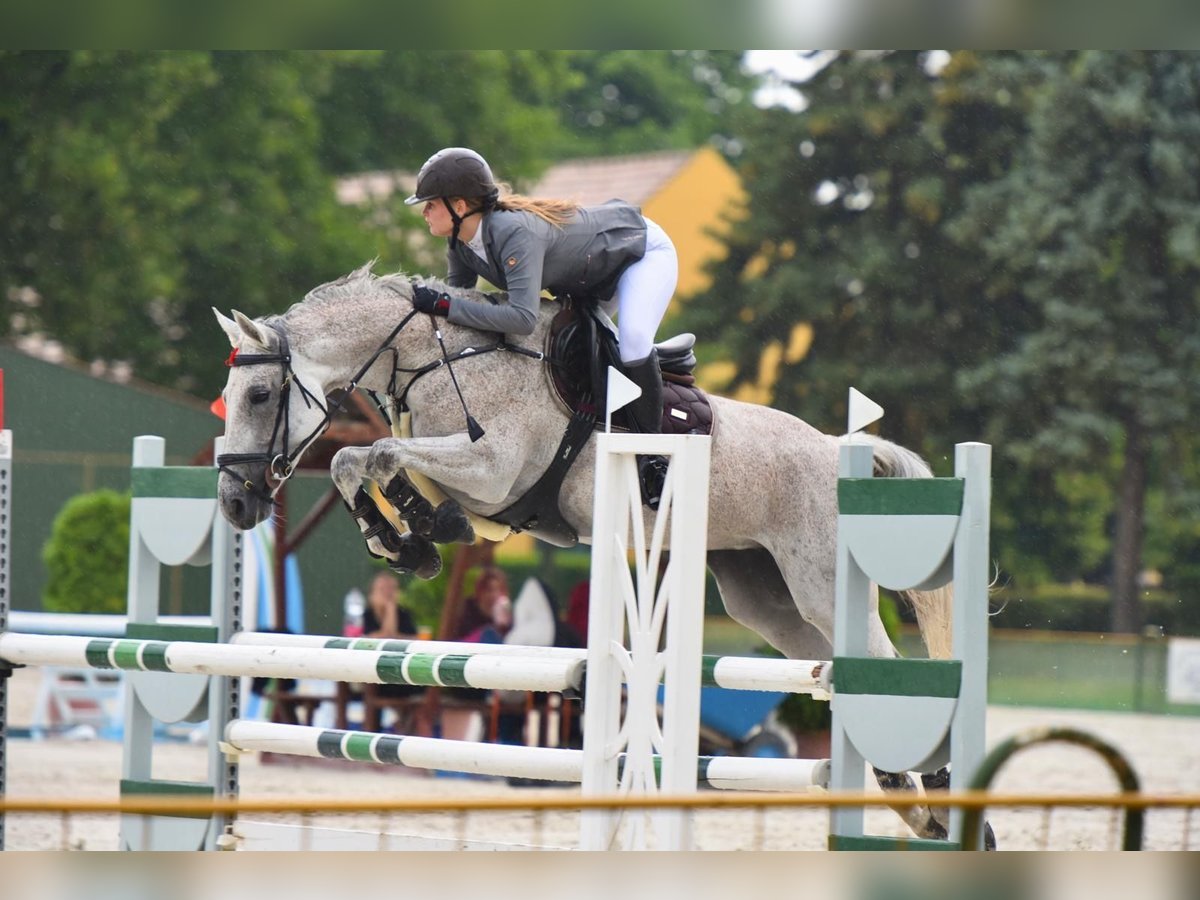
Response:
column 427, row 300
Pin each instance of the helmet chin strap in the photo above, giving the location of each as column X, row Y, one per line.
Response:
column 456, row 219
column 487, row 204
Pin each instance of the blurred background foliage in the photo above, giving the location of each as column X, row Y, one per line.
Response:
column 994, row 246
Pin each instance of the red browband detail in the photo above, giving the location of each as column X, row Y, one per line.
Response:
column 232, row 356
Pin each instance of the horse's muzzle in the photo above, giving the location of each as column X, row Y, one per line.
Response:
column 241, row 507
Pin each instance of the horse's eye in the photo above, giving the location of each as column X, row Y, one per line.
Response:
column 260, row 395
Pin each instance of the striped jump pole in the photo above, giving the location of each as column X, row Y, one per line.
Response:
column 375, row 667
column 739, row 673
column 504, row 760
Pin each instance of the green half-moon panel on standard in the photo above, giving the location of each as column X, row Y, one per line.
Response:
column 176, row 530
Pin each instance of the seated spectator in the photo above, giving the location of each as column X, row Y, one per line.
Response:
column 385, row 617
column 575, row 623
column 480, row 620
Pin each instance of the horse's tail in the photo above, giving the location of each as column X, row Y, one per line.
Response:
column 934, row 608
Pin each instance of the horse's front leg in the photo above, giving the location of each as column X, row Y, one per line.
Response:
column 405, row 551
column 474, row 469
column 446, row 523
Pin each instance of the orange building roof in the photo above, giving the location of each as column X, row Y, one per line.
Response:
column 634, row 179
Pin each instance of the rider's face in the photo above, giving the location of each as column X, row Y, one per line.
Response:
column 437, row 217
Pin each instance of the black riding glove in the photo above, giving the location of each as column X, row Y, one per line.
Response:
column 427, row 300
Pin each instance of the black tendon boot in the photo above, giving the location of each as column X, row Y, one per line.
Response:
column 645, row 414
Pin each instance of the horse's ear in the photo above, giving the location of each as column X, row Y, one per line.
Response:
column 250, row 329
column 228, row 326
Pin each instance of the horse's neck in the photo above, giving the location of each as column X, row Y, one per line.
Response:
column 339, row 340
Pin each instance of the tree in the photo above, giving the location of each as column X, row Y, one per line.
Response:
column 524, row 108
column 393, row 109
column 854, row 229
column 143, row 188
column 632, row 101
column 847, row 206
column 1098, row 227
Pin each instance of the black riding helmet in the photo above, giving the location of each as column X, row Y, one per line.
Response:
column 456, row 172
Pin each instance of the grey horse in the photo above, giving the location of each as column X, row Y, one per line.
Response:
column 772, row 495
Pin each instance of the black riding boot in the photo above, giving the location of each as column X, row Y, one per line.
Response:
column 645, row 414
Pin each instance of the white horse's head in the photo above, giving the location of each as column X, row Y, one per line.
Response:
column 274, row 408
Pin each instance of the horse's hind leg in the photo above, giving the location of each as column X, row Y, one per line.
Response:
column 812, row 587
column 755, row 595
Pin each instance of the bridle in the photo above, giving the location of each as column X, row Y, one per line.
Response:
column 279, row 466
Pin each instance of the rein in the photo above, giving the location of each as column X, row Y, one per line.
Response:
column 279, row 466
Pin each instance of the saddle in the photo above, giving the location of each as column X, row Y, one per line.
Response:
column 582, row 345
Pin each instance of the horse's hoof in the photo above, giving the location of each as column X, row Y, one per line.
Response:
column 417, row 556
column 430, row 567
column 425, row 570
column 450, row 524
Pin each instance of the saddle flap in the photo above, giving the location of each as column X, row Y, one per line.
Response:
column 581, row 348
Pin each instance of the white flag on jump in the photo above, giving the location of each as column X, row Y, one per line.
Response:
column 621, row 392
column 863, row 411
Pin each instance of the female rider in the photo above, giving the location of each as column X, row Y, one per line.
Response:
column 524, row 245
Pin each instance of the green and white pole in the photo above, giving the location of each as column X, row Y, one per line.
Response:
column 739, row 673
column 232, row 660
column 506, row 760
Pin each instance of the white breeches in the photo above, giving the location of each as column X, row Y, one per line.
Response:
column 643, row 292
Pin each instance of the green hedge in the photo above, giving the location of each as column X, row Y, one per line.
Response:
column 87, row 555
column 1085, row 607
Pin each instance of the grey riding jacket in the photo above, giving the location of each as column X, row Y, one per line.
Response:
column 527, row 254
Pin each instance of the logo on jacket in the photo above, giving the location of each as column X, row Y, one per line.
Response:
column 511, row 261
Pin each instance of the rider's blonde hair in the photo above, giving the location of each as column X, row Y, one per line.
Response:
column 556, row 212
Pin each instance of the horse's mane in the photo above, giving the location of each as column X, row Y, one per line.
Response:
column 354, row 283
column 363, row 280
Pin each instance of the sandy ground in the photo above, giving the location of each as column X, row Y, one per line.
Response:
column 1164, row 751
